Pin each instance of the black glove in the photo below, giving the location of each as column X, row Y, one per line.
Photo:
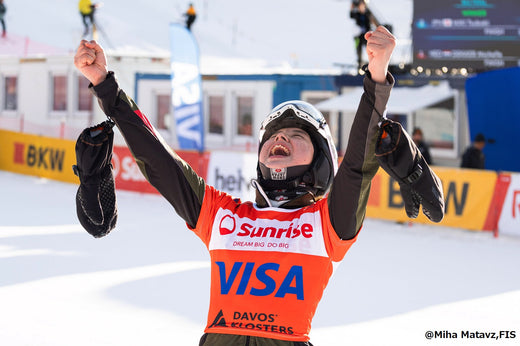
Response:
column 96, row 199
column 401, row 159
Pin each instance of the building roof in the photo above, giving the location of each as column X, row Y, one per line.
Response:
column 402, row 101
column 24, row 46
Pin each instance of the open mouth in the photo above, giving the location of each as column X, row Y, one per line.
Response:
column 279, row 150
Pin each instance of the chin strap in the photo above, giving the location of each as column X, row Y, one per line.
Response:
column 296, row 198
column 261, row 191
column 289, row 178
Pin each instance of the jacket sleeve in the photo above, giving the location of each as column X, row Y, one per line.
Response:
column 348, row 197
column 160, row 165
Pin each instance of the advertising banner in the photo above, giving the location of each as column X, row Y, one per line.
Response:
column 232, row 173
column 509, row 222
column 475, row 199
column 468, row 194
column 186, row 89
column 37, row 155
column 128, row 176
column 53, row 158
column 126, row 172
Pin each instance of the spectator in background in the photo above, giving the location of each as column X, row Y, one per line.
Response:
column 2, row 14
column 417, row 136
column 191, row 15
column 87, row 9
column 473, row 157
column 364, row 20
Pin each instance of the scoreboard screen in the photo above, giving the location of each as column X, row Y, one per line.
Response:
column 478, row 35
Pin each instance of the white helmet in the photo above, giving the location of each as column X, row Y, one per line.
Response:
column 316, row 177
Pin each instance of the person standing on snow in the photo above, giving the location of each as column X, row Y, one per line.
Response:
column 364, row 20
column 418, row 139
column 191, row 15
column 270, row 260
column 473, row 156
column 86, row 10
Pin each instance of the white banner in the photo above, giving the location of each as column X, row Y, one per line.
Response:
column 509, row 222
column 232, row 173
column 186, row 88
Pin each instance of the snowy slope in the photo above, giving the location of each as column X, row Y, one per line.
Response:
column 147, row 283
column 297, row 33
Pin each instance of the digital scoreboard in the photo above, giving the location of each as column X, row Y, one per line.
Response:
column 477, row 35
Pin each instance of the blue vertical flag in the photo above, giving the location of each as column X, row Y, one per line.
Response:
column 186, row 88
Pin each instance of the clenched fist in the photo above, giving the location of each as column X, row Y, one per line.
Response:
column 91, row 61
column 380, row 45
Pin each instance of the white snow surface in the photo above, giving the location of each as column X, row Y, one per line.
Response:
column 271, row 35
column 147, row 282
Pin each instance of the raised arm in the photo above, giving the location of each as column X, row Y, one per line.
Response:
column 161, row 166
column 349, row 193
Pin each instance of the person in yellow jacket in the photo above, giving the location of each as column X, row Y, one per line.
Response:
column 190, row 16
column 87, row 9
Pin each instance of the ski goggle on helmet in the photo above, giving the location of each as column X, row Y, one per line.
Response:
column 303, row 115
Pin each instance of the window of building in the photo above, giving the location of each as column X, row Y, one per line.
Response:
column 85, row 98
column 163, row 102
column 216, row 114
column 245, row 115
column 233, row 111
column 10, row 93
column 59, row 93
column 439, row 125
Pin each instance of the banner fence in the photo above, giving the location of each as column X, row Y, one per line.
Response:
column 478, row 200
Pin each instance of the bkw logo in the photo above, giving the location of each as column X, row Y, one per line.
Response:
column 39, row 156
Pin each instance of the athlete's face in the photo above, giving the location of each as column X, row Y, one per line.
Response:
column 287, row 147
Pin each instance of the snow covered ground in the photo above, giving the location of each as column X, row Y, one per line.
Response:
column 147, row 283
